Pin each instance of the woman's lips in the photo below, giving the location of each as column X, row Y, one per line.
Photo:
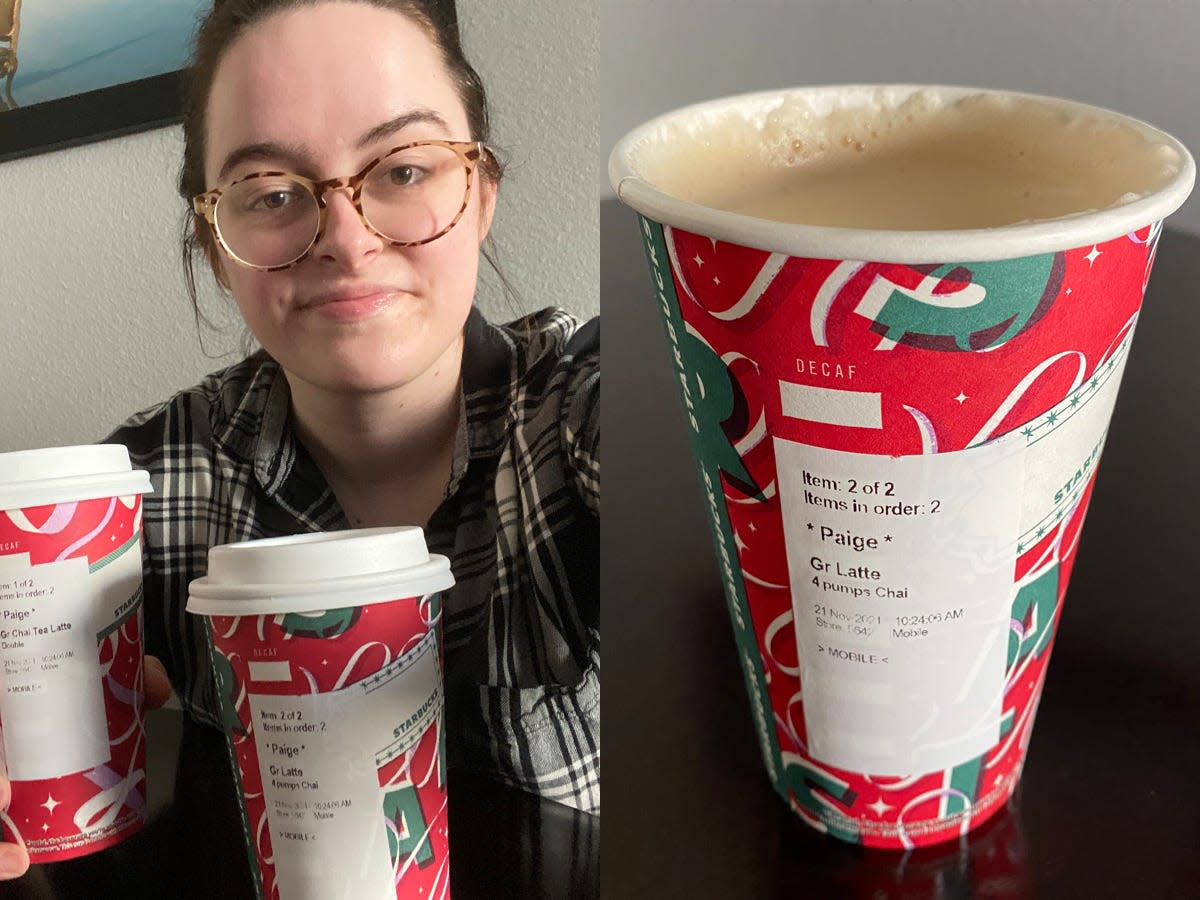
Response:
column 349, row 305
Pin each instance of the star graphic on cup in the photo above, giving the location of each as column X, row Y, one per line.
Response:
column 50, row 804
column 879, row 807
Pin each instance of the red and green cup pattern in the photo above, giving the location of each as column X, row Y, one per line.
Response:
column 328, row 651
column 81, row 812
column 952, row 371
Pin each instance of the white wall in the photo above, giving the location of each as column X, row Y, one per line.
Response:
column 1136, row 56
column 94, row 323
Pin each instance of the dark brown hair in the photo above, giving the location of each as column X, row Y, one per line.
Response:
column 229, row 20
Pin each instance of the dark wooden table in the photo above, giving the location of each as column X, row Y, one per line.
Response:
column 1109, row 806
column 503, row 842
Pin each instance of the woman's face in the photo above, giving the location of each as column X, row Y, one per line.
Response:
column 320, row 91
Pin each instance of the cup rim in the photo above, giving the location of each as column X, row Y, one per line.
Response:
column 899, row 246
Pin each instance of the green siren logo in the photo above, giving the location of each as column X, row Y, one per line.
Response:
column 327, row 623
column 717, row 410
column 972, row 306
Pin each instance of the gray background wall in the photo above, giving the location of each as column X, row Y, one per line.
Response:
column 1137, row 57
column 93, row 320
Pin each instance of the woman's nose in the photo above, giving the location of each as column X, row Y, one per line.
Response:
column 346, row 238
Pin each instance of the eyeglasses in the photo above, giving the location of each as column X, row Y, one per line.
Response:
column 411, row 195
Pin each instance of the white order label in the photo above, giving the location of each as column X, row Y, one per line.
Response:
column 51, row 694
column 902, row 579
column 319, row 757
column 901, row 572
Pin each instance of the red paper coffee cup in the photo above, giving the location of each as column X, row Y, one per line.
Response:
column 327, row 653
column 897, row 434
column 71, row 648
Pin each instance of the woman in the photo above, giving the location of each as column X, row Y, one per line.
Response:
column 380, row 395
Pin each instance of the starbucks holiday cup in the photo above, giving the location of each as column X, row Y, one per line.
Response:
column 327, row 654
column 897, row 434
column 71, row 648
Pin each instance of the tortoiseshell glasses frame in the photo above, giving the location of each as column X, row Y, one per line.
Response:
column 206, row 205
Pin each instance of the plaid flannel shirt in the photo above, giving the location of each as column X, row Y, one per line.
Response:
column 520, row 524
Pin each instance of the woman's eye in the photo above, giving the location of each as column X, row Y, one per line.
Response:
column 275, row 200
column 404, row 175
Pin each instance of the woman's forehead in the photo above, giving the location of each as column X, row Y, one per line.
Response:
column 321, row 77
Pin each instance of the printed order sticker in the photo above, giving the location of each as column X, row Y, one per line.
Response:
column 902, row 582
column 319, row 757
column 51, row 697
column 901, row 572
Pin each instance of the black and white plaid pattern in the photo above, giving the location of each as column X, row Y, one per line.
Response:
column 520, row 523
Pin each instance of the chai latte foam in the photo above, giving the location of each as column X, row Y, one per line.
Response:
column 925, row 163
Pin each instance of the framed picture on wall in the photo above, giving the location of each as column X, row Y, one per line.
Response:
column 73, row 71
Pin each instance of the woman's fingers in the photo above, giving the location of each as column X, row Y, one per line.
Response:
column 158, row 685
column 14, row 858
column 14, row 861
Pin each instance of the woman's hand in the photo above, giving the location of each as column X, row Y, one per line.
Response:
column 14, row 858
column 158, row 685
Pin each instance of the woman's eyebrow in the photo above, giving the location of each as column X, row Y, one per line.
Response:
column 293, row 155
column 264, row 150
column 391, row 126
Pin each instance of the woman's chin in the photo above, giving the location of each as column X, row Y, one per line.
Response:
column 362, row 382
column 372, row 363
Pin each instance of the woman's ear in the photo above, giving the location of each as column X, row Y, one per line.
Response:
column 489, row 187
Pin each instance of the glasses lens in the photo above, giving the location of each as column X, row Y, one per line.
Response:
column 415, row 193
column 267, row 221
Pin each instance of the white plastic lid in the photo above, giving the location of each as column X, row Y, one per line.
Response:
column 65, row 474
column 326, row 570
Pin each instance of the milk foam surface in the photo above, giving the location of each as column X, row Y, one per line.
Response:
column 923, row 163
